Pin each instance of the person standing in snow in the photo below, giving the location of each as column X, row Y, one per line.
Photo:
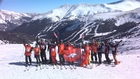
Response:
column 28, row 50
column 107, row 53
column 94, row 46
column 70, row 56
column 87, row 50
column 84, row 60
column 49, row 45
column 43, row 51
column 60, row 52
column 53, row 53
column 114, row 48
column 36, row 54
column 114, row 51
column 100, row 51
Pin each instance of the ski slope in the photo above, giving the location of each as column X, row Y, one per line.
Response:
column 12, row 66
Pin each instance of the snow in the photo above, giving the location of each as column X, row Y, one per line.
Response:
column 123, row 6
column 12, row 67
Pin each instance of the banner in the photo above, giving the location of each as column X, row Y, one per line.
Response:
column 75, row 55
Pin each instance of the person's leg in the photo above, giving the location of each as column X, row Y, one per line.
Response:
column 107, row 58
column 50, row 57
column 63, row 60
column 91, row 56
column 30, row 60
column 95, row 55
column 60, row 59
column 37, row 60
column 99, row 57
column 45, row 58
column 26, row 60
column 42, row 57
column 115, row 59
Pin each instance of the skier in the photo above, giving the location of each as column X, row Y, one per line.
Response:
column 70, row 54
column 53, row 53
column 28, row 50
column 114, row 51
column 43, row 51
column 94, row 46
column 87, row 49
column 107, row 53
column 49, row 45
column 36, row 54
column 84, row 61
column 60, row 52
column 100, row 51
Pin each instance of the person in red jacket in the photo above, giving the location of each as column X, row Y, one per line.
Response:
column 84, row 61
column 36, row 54
column 87, row 50
column 107, row 53
column 94, row 47
column 53, row 53
column 70, row 54
column 61, row 47
column 28, row 50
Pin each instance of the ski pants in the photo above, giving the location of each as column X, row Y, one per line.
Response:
column 95, row 55
column 61, row 59
column 100, row 57
column 28, row 58
column 43, row 57
column 37, row 59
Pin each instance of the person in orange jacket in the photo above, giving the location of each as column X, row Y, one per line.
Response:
column 70, row 54
column 84, row 59
column 107, row 53
column 28, row 50
column 53, row 53
column 61, row 47
column 94, row 47
column 87, row 50
column 36, row 54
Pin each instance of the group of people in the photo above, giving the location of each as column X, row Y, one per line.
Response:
column 93, row 51
column 96, row 49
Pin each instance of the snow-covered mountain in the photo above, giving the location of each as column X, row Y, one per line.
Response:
column 83, row 10
column 10, row 19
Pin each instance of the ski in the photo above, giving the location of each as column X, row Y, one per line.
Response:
column 71, row 67
column 27, row 68
column 74, row 67
column 53, row 67
column 57, row 66
column 65, row 67
column 90, row 66
column 47, row 67
column 61, row 68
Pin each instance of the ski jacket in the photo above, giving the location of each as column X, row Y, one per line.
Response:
column 43, row 47
column 106, row 48
column 114, row 46
column 60, row 48
column 100, row 47
column 36, row 50
column 53, row 51
column 28, row 50
column 69, row 48
column 87, row 49
column 94, row 47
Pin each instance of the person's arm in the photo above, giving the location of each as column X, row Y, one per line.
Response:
column 118, row 43
column 110, row 44
column 24, row 44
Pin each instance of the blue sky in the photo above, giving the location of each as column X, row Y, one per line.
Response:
column 42, row 6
